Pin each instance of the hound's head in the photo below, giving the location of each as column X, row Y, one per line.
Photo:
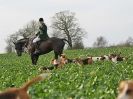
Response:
column 63, row 59
column 125, row 90
column 116, row 57
column 63, row 56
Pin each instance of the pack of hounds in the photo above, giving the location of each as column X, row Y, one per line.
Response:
column 83, row 61
column 125, row 87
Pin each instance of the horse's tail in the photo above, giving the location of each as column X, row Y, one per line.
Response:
column 67, row 42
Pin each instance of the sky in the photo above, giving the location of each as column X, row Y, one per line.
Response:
column 112, row 19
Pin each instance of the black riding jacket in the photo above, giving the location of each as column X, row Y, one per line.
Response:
column 42, row 32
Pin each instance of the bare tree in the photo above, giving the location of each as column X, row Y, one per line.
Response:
column 27, row 31
column 64, row 24
column 129, row 41
column 78, row 44
column 9, row 48
column 100, row 42
column 30, row 29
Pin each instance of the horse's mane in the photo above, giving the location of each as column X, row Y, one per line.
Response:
column 22, row 39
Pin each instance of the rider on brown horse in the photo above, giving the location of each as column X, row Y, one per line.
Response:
column 41, row 35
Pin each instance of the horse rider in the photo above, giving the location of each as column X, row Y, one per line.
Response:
column 41, row 34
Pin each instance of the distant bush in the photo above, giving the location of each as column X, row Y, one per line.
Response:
column 100, row 42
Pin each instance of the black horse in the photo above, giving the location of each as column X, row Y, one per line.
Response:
column 55, row 44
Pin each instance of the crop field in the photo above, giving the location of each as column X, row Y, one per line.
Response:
column 97, row 81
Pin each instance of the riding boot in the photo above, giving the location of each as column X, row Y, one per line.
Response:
column 36, row 46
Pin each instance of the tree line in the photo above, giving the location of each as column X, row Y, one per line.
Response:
column 102, row 42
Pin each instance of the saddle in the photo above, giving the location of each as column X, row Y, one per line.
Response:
column 38, row 44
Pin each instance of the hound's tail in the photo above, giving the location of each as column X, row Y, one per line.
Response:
column 36, row 79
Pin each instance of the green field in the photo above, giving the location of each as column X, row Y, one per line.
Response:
column 96, row 81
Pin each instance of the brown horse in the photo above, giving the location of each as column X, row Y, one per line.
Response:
column 52, row 44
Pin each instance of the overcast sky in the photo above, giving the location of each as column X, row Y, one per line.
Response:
column 112, row 19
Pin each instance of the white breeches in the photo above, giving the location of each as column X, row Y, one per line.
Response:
column 36, row 39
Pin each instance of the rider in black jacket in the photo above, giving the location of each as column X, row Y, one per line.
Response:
column 42, row 33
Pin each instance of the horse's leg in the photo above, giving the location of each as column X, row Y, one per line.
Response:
column 56, row 57
column 58, row 52
column 34, row 58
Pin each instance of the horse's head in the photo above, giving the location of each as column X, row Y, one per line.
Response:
column 19, row 46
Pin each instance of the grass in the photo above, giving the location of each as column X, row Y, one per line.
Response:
column 97, row 81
